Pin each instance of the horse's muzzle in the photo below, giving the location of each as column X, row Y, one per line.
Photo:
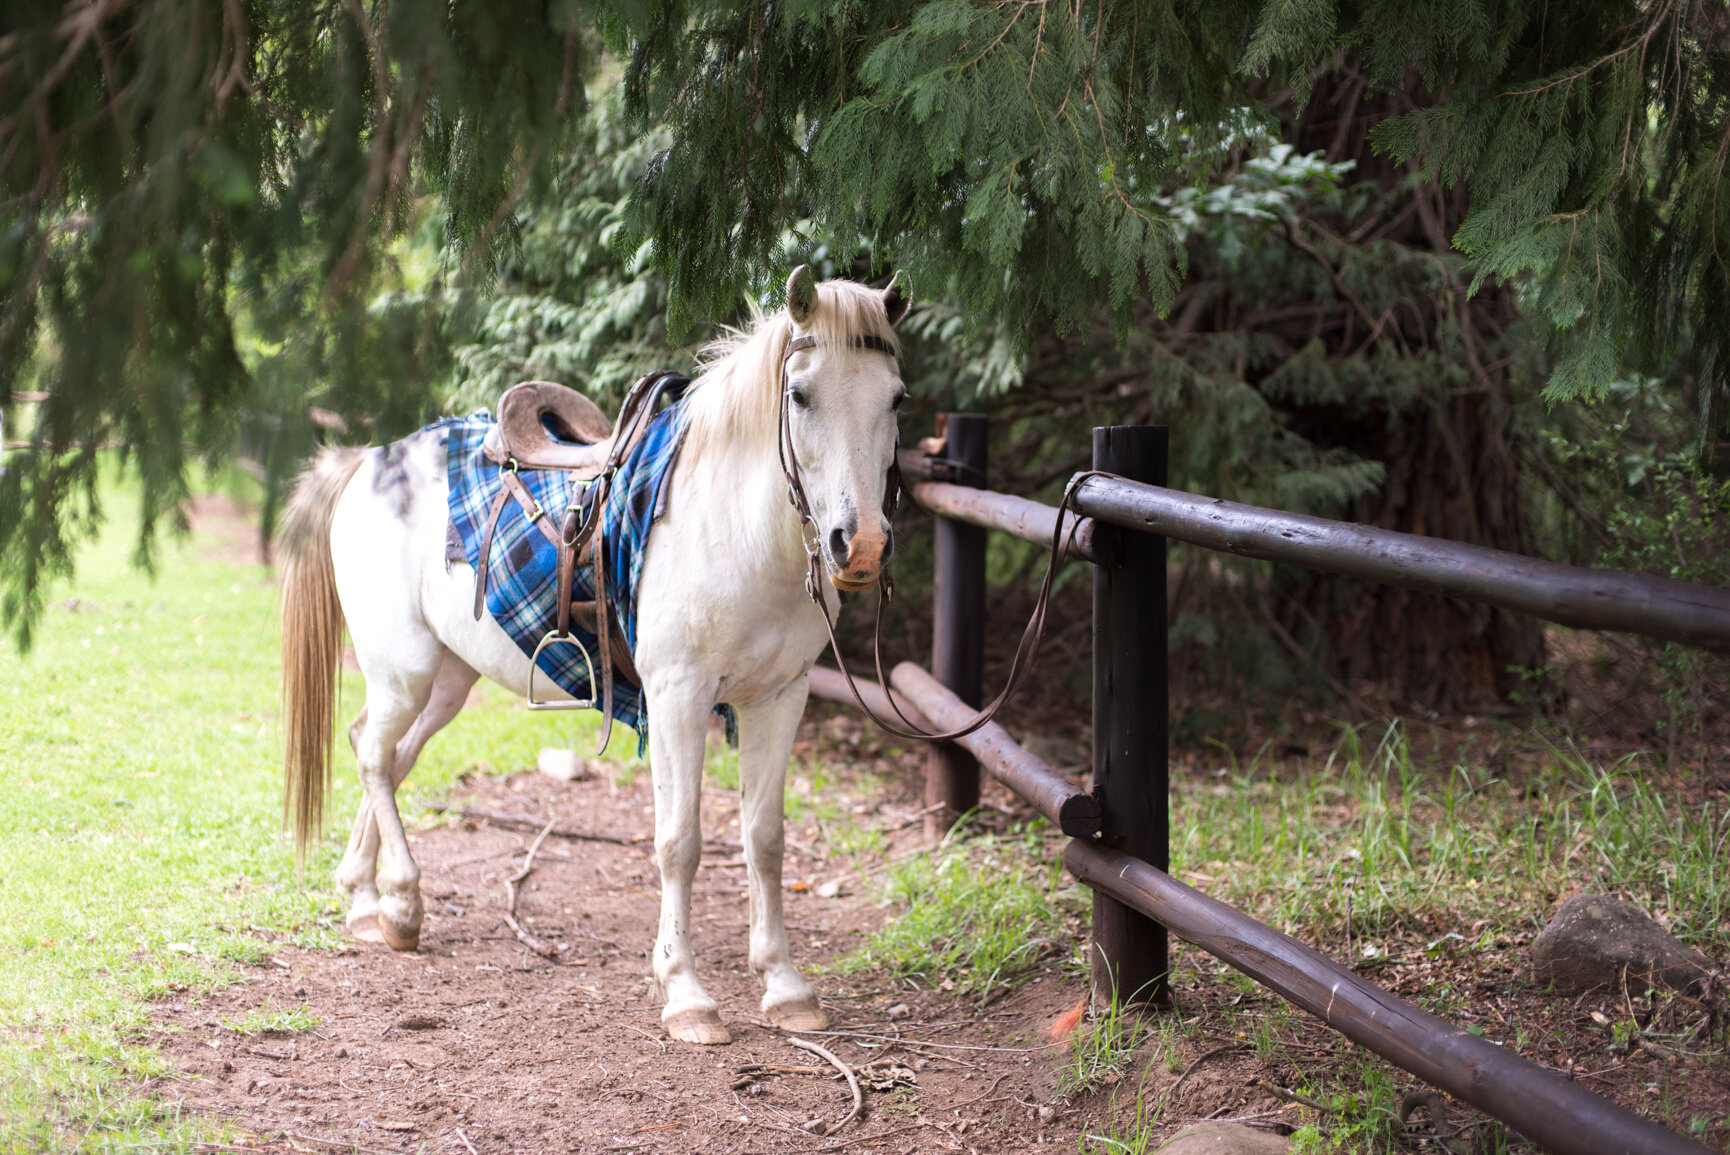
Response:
column 854, row 564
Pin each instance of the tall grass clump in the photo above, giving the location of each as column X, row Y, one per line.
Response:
column 1101, row 1051
column 1368, row 842
column 974, row 915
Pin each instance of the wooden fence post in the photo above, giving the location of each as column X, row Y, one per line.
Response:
column 1130, row 721
column 957, row 623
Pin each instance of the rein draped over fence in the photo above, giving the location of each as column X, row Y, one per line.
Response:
column 1136, row 902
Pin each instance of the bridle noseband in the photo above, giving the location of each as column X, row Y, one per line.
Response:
column 1030, row 638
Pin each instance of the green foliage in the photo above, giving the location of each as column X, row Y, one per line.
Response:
column 1595, row 161
column 216, row 215
column 1641, row 503
column 570, row 302
column 168, row 167
column 1363, row 1111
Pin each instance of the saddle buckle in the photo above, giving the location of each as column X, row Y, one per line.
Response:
column 554, row 638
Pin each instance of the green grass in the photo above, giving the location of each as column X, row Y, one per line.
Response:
column 140, row 852
column 1370, row 850
column 974, row 915
column 1364, row 1109
column 1367, row 843
column 1102, row 1049
column 266, row 1021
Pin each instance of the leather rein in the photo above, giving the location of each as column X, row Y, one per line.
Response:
column 1025, row 651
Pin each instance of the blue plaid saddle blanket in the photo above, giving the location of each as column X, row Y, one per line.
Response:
column 522, row 566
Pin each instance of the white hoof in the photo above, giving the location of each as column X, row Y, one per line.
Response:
column 799, row 1015
column 363, row 926
column 697, row 1026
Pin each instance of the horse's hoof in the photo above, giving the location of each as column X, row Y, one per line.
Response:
column 703, row 1027
column 364, row 927
column 800, row 1015
column 398, row 937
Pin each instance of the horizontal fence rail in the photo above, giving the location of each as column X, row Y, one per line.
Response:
column 1600, row 599
column 832, row 686
column 1071, row 809
column 927, row 703
column 1538, row 1103
column 1016, row 516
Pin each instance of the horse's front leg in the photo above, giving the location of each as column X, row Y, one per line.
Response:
column 766, row 731
column 679, row 712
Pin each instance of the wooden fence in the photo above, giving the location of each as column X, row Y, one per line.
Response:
column 1120, row 828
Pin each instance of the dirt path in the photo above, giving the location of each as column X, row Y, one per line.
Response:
column 474, row 1041
column 474, row 1044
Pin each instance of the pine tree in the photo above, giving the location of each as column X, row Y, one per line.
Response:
column 168, row 166
column 175, row 171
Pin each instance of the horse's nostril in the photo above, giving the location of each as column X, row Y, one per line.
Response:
column 838, row 545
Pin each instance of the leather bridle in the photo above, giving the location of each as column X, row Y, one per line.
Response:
column 1025, row 651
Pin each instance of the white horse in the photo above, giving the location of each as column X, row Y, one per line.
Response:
column 723, row 617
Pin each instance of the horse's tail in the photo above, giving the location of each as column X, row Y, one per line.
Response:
column 311, row 640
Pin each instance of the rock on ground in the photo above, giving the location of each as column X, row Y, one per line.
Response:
column 1225, row 1139
column 1596, row 939
column 564, row 765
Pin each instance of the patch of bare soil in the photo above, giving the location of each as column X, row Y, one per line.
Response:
column 473, row 1041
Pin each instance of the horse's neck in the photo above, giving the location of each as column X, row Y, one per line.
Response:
column 740, row 494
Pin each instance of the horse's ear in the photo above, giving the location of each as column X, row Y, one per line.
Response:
column 895, row 302
column 801, row 294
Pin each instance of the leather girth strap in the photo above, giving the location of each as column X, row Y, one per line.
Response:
column 579, row 541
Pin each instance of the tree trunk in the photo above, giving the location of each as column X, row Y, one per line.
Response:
column 1451, row 468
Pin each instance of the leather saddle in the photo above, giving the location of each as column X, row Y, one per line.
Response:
column 545, row 425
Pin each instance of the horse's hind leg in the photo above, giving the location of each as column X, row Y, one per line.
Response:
column 400, row 678
column 359, row 865
column 766, row 732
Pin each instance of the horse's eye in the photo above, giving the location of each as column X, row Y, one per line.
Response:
column 899, row 398
column 800, row 399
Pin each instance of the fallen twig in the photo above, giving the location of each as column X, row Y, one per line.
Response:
column 918, row 816
column 991, row 1090
column 770, row 1069
column 1265, row 1119
column 506, row 819
column 655, row 1039
column 343, row 1144
column 923, row 1043
column 1654, row 1049
column 545, row 950
column 852, row 1079
column 868, row 1138
column 1292, row 1096
column 466, row 1142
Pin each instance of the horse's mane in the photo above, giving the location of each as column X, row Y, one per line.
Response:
column 736, row 397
